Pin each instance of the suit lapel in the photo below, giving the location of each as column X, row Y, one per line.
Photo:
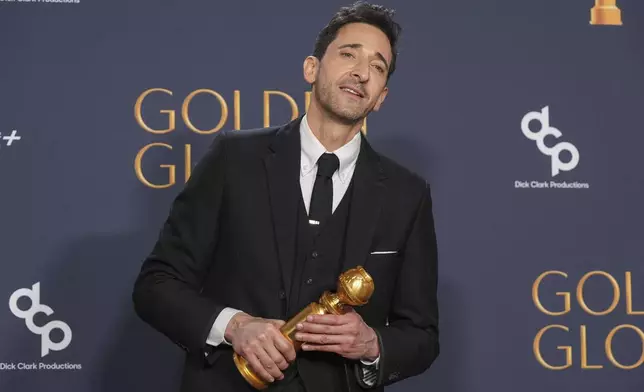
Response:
column 282, row 165
column 366, row 204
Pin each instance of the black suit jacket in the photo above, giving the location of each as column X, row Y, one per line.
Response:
column 229, row 240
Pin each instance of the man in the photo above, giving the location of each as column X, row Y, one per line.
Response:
column 271, row 217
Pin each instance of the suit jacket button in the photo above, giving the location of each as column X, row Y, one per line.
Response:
column 282, row 294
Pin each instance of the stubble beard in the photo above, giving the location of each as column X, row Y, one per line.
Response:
column 330, row 103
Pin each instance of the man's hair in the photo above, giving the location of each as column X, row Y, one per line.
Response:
column 360, row 12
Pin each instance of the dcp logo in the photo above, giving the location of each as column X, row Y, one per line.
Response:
column 36, row 307
column 539, row 137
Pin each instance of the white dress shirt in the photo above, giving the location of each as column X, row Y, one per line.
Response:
column 311, row 150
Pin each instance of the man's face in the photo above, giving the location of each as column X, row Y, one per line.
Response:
column 350, row 80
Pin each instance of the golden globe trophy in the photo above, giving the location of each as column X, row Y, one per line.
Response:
column 605, row 12
column 355, row 287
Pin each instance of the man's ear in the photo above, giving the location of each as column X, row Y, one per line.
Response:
column 310, row 68
column 381, row 99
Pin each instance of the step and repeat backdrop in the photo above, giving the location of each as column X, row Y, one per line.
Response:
column 524, row 115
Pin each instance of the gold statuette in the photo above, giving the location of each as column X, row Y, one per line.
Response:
column 605, row 12
column 355, row 287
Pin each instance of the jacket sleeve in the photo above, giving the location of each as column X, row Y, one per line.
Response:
column 167, row 291
column 409, row 342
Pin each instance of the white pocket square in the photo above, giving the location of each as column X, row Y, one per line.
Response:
column 384, row 252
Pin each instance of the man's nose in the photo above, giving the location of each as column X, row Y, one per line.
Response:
column 361, row 71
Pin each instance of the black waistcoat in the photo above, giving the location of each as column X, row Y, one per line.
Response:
column 318, row 258
column 317, row 267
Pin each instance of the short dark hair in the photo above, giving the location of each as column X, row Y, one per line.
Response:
column 361, row 12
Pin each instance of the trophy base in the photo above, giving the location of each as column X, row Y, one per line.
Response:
column 248, row 375
column 330, row 304
column 606, row 15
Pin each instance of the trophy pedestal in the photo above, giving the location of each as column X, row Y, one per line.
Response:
column 288, row 330
column 250, row 376
column 606, row 13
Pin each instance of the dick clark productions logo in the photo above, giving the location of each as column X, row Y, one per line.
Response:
column 554, row 152
column 28, row 315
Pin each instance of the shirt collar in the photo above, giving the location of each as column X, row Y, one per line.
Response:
column 312, row 149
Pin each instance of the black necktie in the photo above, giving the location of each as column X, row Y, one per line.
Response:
column 322, row 197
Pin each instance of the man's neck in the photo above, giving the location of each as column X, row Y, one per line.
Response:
column 331, row 133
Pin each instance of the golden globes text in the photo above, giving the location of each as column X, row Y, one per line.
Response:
column 585, row 352
column 183, row 159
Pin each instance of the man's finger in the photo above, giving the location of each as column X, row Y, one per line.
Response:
column 342, row 329
column 285, row 347
column 324, row 339
column 277, row 358
column 329, row 319
column 333, row 348
column 257, row 366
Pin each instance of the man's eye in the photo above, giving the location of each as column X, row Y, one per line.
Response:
column 346, row 54
column 379, row 68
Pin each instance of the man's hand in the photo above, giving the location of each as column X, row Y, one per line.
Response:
column 261, row 343
column 347, row 335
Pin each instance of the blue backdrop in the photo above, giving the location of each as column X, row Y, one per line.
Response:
column 539, row 223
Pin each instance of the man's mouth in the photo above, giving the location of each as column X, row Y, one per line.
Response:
column 352, row 90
